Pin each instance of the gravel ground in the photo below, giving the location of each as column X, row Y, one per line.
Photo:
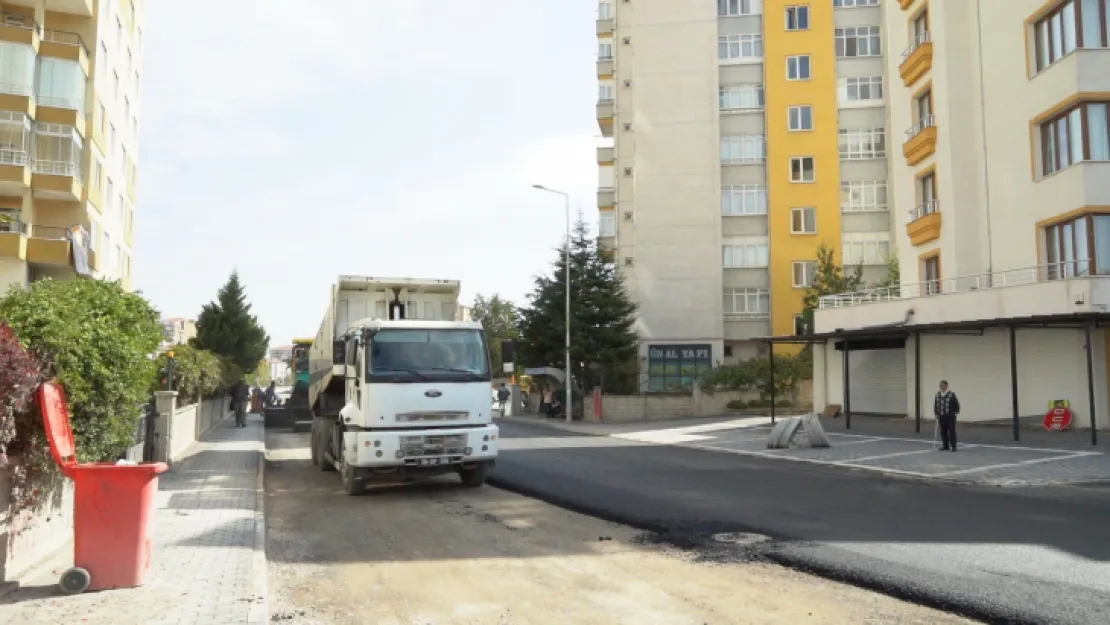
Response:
column 434, row 553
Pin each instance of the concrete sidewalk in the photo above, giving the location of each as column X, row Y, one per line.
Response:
column 209, row 563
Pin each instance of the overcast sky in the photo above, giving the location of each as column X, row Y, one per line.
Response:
column 370, row 137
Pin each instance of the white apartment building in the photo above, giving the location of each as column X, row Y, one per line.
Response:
column 1002, row 207
column 741, row 136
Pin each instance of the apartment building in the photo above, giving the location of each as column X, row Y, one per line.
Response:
column 742, row 135
column 178, row 330
column 70, row 74
column 1001, row 198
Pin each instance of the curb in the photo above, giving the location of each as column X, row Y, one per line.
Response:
column 259, row 611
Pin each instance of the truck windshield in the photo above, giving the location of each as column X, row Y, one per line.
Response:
column 421, row 354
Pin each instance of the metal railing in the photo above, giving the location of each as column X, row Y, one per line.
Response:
column 13, row 157
column 925, row 122
column 20, row 20
column 918, row 41
column 53, row 233
column 962, row 284
column 928, row 208
column 10, row 223
column 55, row 168
column 65, row 37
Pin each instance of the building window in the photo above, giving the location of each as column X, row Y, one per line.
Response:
column 800, row 328
column 15, row 138
column 746, row 97
column 102, row 62
column 1073, row 24
column 797, row 18
column 605, row 51
column 847, row 4
column 861, row 196
column 865, row 89
column 607, row 224
column 61, row 84
column 743, row 149
column 802, row 169
column 926, row 197
column 803, row 220
column 97, row 174
column 1079, row 134
column 862, row 143
column 605, row 10
column 797, row 67
column 858, row 41
column 744, row 199
column 58, row 150
column 677, row 367
column 728, row 8
column 804, row 273
column 605, row 93
column 930, row 268
column 1078, row 247
column 800, row 117
column 736, row 47
column 747, row 302
column 746, row 253
column 17, row 64
column 865, row 248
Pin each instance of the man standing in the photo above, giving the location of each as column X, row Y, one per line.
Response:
column 240, row 393
column 502, row 398
column 945, row 407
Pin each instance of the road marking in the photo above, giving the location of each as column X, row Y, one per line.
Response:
column 893, row 455
column 1010, row 465
column 763, row 454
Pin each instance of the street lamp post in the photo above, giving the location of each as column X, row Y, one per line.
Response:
column 569, row 392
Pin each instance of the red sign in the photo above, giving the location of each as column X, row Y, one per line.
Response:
column 1058, row 419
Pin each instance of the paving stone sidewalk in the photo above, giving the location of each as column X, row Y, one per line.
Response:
column 209, row 548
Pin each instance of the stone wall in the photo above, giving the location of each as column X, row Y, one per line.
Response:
column 29, row 536
column 179, row 427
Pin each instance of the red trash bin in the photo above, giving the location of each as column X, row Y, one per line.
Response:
column 113, row 514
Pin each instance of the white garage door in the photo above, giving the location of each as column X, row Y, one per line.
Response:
column 879, row 381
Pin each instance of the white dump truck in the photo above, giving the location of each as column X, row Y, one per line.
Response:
column 399, row 385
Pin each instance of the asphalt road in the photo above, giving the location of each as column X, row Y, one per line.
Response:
column 1034, row 555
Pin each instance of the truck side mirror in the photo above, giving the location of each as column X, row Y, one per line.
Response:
column 339, row 352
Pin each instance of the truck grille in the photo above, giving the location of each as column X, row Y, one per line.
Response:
column 431, row 417
column 452, row 444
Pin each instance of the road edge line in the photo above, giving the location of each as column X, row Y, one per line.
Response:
column 259, row 611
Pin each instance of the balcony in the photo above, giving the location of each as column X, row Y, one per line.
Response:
column 605, row 156
column 65, row 45
column 13, row 236
column 604, row 67
column 83, row 8
column 924, row 223
column 57, row 180
column 20, row 28
column 917, row 60
column 921, row 140
column 15, row 171
column 605, row 117
column 606, row 197
column 40, row 245
column 605, row 26
column 1054, row 289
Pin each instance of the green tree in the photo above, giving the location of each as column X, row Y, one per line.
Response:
column 831, row 279
column 196, row 373
column 602, row 316
column 499, row 318
column 893, row 279
column 227, row 328
column 99, row 339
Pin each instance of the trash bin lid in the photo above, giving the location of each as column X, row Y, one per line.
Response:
column 55, row 419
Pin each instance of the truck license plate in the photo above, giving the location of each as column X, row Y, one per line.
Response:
column 431, row 461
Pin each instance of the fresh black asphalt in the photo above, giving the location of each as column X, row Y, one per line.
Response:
column 1030, row 555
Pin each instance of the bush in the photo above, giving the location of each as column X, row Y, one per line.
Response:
column 230, row 373
column 197, row 374
column 21, row 373
column 99, row 339
column 737, row 404
column 755, row 375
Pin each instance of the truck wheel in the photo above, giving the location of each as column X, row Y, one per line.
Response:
column 473, row 478
column 351, row 485
column 327, row 466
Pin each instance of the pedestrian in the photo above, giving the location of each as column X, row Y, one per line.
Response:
column 503, row 398
column 240, row 394
column 270, row 396
column 946, row 407
column 546, row 398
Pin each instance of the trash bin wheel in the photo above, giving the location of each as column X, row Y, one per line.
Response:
column 74, row 581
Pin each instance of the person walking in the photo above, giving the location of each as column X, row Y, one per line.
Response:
column 503, row 395
column 946, row 407
column 240, row 394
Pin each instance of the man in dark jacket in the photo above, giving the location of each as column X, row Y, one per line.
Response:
column 945, row 407
column 240, row 393
column 503, row 395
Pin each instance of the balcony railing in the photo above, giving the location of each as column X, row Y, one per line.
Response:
column 53, row 233
column 13, row 157
column 65, row 38
column 20, row 20
column 16, row 88
column 925, row 122
column 56, row 168
column 10, row 222
column 60, row 102
column 928, row 208
column 918, row 41
column 963, row 284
